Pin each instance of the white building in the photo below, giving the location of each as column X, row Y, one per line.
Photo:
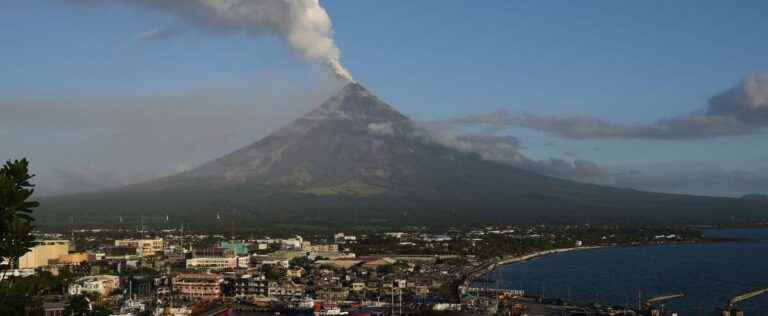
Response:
column 218, row 263
column 323, row 248
column 100, row 284
column 343, row 238
column 144, row 247
column 397, row 235
column 292, row 243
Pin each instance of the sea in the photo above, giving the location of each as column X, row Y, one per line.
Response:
column 709, row 274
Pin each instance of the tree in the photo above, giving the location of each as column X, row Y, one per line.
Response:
column 273, row 272
column 302, row 262
column 78, row 305
column 15, row 211
column 17, row 295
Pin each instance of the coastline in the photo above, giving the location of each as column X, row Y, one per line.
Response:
column 507, row 260
column 489, row 267
column 602, row 276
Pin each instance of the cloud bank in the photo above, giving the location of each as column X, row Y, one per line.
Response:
column 507, row 150
column 747, row 101
column 740, row 110
column 687, row 177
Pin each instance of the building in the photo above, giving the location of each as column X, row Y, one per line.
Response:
column 294, row 272
column 238, row 248
column 120, row 253
column 197, row 286
column 291, row 243
column 74, row 258
column 217, row 263
column 96, row 284
column 323, row 248
column 396, row 235
column 54, row 308
column 358, row 286
column 248, row 285
column 264, row 244
column 43, row 253
column 213, row 252
column 342, row 238
column 144, row 247
column 332, row 292
column 286, row 290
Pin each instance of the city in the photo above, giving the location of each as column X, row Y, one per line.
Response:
column 144, row 271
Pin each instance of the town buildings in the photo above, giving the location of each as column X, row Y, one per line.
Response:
column 249, row 286
column 144, row 247
column 197, row 286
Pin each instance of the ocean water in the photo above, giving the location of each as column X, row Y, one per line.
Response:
column 708, row 274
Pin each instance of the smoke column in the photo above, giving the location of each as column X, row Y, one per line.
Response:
column 303, row 24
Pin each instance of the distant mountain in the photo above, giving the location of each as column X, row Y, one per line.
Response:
column 356, row 160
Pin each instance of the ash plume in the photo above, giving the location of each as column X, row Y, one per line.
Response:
column 302, row 24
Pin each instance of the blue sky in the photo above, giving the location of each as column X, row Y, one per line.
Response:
column 627, row 62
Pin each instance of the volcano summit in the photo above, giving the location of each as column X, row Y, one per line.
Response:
column 356, row 160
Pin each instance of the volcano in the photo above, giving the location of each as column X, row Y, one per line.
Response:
column 356, row 160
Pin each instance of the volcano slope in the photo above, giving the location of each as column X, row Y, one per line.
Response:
column 355, row 160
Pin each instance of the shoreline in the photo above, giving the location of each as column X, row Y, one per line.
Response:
column 483, row 270
column 508, row 260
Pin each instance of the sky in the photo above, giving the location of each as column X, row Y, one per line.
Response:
column 105, row 95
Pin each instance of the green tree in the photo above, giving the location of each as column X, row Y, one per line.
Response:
column 302, row 262
column 18, row 296
column 273, row 272
column 16, row 211
column 78, row 305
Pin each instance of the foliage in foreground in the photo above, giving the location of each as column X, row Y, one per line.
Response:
column 18, row 296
